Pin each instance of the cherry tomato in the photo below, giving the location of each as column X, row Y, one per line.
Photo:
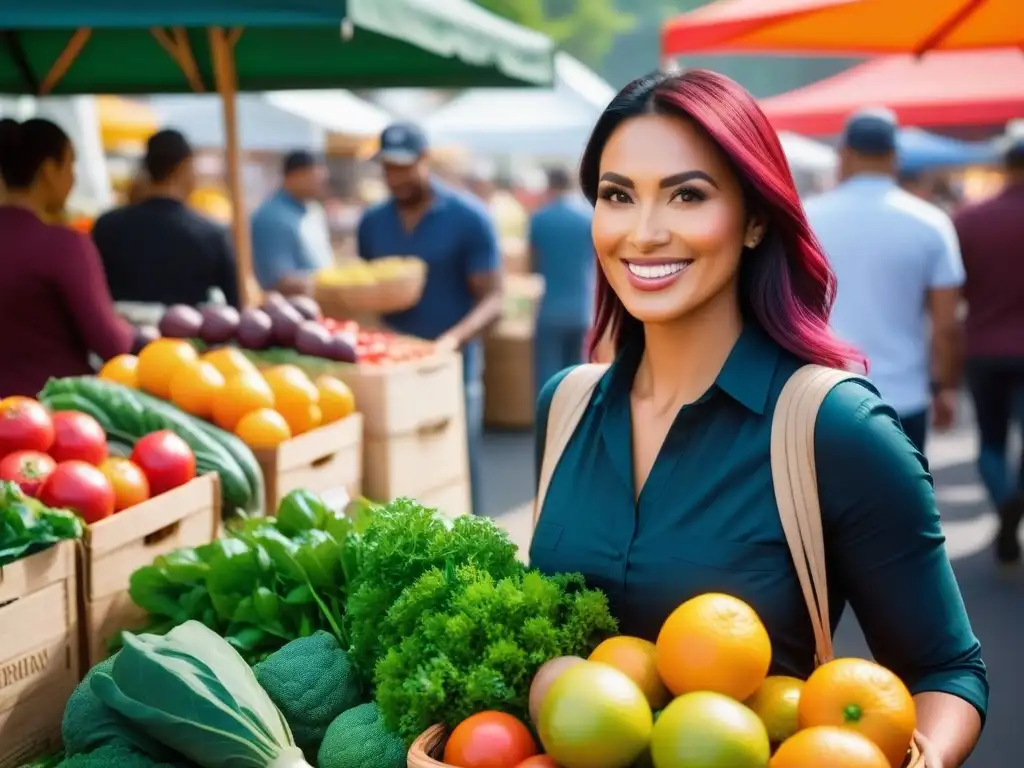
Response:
column 80, row 487
column 128, row 481
column 165, row 459
column 489, row 740
column 29, row 469
column 25, row 425
column 78, row 436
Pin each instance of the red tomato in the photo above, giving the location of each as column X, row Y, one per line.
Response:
column 78, row 436
column 80, row 487
column 165, row 459
column 25, row 425
column 29, row 469
column 539, row 761
column 128, row 481
column 489, row 740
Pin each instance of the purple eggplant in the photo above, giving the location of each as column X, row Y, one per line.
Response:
column 255, row 329
column 286, row 320
column 181, row 322
column 340, row 350
column 312, row 339
column 220, row 324
column 307, row 307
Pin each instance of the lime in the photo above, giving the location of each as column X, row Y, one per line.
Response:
column 594, row 716
column 776, row 703
column 709, row 730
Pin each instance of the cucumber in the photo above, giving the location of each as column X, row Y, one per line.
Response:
column 129, row 415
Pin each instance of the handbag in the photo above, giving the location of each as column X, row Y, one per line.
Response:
column 793, row 475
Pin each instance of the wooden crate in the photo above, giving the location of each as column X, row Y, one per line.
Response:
column 323, row 461
column 453, row 499
column 412, row 463
column 116, row 547
column 400, row 398
column 509, row 388
column 40, row 662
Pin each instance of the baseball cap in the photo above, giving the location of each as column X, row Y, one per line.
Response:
column 402, row 144
column 871, row 131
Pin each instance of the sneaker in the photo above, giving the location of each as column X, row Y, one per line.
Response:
column 1007, row 544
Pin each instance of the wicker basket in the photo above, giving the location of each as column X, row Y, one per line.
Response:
column 428, row 748
column 382, row 298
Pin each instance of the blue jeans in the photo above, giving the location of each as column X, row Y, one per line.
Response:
column 474, row 391
column 997, row 388
column 554, row 349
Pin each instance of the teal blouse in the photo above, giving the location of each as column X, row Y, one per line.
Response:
column 707, row 521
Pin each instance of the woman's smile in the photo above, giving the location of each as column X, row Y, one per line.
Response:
column 655, row 274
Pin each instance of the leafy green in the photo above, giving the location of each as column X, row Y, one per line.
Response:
column 116, row 754
column 269, row 581
column 192, row 692
column 28, row 526
column 403, row 541
column 466, row 640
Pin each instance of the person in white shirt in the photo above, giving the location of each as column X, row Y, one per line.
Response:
column 899, row 274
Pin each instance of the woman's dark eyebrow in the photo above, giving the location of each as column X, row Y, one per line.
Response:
column 668, row 181
column 681, row 178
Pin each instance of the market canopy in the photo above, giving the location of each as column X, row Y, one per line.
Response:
column 920, row 150
column 939, row 89
column 551, row 122
column 845, row 27
column 134, row 46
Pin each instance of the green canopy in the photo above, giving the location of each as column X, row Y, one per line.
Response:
column 131, row 46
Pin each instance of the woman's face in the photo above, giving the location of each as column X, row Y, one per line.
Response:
column 58, row 177
column 670, row 222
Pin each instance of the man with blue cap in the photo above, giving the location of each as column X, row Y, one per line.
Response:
column 899, row 273
column 453, row 233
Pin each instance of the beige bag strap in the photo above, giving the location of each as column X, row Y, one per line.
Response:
column 796, row 489
column 571, row 398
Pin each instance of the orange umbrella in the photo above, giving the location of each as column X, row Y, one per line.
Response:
column 846, row 27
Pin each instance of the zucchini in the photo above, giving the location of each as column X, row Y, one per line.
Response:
column 129, row 415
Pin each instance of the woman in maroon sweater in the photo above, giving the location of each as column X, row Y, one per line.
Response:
column 55, row 307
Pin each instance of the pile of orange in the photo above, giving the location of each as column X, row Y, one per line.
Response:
column 223, row 386
column 719, row 708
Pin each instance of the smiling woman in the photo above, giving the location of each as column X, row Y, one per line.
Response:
column 715, row 293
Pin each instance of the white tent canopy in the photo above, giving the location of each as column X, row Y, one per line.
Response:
column 806, row 155
column 554, row 122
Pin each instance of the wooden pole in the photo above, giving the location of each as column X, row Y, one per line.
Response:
column 222, row 49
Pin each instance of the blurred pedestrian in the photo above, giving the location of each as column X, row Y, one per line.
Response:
column 992, row 239
column 55, row 308
column 562, row 252
column 290, row 237
column 899, row 273
column 453, row 233
column 159, row 250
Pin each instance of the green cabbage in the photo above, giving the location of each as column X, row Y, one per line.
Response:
column 190, row 690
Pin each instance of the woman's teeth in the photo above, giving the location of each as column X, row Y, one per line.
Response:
column 655, row 271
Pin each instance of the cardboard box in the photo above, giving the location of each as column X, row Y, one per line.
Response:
column 322, row 460
column 116, row 547
column 397, row 398
column 453, row 499
column 40, row 661
column 509, row 388
column 411, row 463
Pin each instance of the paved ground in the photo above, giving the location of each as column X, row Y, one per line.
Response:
column 995, row 600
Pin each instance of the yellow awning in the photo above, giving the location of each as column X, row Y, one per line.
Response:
column 124, row 123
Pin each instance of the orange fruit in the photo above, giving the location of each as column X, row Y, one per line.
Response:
column 714, row 642
column 160, row 360
column 241, row 394
column 194, row 388
column 336, row 399
column 123, row 370
column 828, row 746
column 263, row 428
column 229, row 361
column 704, row 729
column 865, row 697
column 295, row 397
column 128, row 481
column 776, row 703
column 637, row 659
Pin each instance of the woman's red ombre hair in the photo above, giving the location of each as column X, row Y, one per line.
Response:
column 786, row 283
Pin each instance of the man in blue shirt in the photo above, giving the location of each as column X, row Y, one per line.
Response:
column 290, row 239
column 898, row 272
column 562, row 252
column 453, row 233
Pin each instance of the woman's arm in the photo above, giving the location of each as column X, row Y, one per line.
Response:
column 887, row 554
column 83, row 286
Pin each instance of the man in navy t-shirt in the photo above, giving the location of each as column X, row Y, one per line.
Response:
column 453, row 233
